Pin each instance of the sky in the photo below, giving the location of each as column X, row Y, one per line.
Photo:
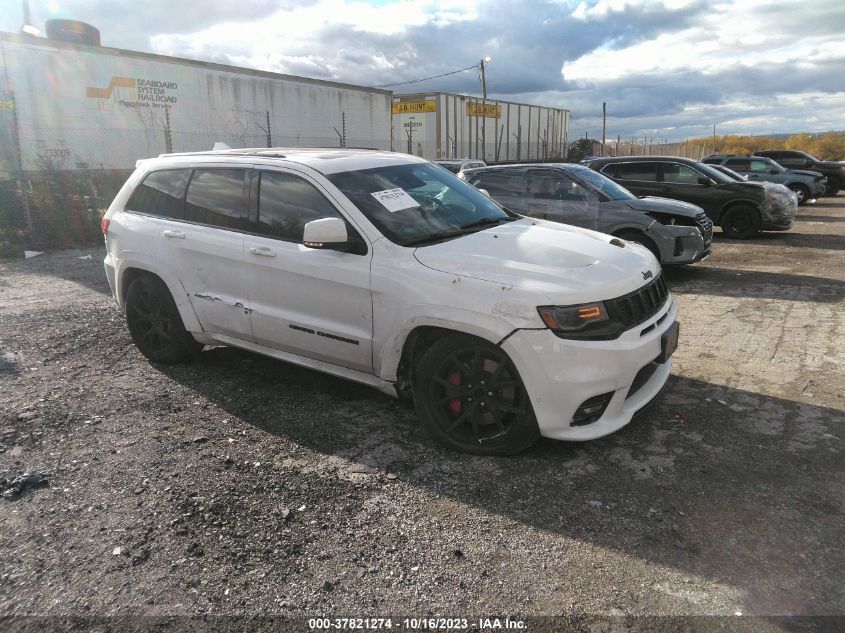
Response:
column 667, row 69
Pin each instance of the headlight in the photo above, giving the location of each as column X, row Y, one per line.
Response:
column 588, row 321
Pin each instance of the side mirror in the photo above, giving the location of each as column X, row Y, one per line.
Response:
column 325, row 233
column 704, row 180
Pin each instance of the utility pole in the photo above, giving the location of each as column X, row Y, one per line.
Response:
column 483, row 78
column 714, row 138
column 603, row 124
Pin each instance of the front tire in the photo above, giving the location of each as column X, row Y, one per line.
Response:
column 834, row 184
column 802, row 192
column 469, row 396
column 154, row 322
column 741, row 223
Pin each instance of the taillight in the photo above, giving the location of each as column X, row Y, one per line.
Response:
column 104, row 224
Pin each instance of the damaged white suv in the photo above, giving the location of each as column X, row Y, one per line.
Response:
column 387, row 270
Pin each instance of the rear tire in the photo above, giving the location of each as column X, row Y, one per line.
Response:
column 470, row 397
column 154, row 322
column 741, row 223
column 802, row 192
column 640, row 238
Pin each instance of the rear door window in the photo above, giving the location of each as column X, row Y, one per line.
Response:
column 162, row 194
column 219, row 197
column 645, row 171
column 738, row 164
column 286, row 203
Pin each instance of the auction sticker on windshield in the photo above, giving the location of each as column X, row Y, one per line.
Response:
column 395, row 199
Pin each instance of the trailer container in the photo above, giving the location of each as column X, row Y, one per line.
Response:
column 444, row 125
column 70, row 106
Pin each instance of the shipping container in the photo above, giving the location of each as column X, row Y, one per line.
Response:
column 78, row 107
column 444, row 125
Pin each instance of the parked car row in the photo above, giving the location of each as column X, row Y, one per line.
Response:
column 807, row 185
column 794, row 159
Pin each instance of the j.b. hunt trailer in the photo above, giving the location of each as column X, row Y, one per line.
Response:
column 443, row 125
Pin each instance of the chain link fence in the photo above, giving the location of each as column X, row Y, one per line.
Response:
column 632, row 147
column 57, row 181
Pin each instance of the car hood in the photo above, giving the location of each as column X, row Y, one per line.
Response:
column 665, row 205
column 804, row 172
column 560, row 261
column 829, row 164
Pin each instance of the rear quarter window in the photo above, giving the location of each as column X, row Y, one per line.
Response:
column 161, row 194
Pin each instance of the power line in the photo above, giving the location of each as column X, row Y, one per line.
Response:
column 416, row 81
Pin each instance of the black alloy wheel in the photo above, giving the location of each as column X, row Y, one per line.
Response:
column 471, row 398
column 741, row 223
column 155, row 324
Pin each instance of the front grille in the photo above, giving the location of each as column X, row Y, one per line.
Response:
column 706, row 226
column 639, row 306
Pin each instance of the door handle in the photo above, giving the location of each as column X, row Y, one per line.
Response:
column 262, row 251
column 174, row 234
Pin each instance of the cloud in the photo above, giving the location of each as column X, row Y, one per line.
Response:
column 675, row 65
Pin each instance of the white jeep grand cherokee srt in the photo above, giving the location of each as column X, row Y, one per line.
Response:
column 384, row 269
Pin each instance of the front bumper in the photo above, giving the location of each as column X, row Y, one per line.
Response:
column 680, row 244
column 777, row 225
column 562, row 374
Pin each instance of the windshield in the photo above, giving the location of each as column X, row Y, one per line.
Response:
column 416, row 203
column 605, row 185
column 715, row 174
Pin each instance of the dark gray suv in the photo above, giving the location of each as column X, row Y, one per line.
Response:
column 675, row 232
column 742, row 209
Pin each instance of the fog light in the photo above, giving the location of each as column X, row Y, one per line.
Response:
column 591, row 409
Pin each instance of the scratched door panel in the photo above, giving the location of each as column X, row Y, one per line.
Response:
column 208, row 250
column 214, row 270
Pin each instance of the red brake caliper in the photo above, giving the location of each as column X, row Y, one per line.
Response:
column 455, row 379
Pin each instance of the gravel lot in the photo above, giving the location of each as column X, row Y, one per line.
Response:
column 242, row 485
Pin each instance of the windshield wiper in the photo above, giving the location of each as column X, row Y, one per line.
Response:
column 465, row 229
column 486, row 222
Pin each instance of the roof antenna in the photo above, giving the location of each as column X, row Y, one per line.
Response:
column 219, row 146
